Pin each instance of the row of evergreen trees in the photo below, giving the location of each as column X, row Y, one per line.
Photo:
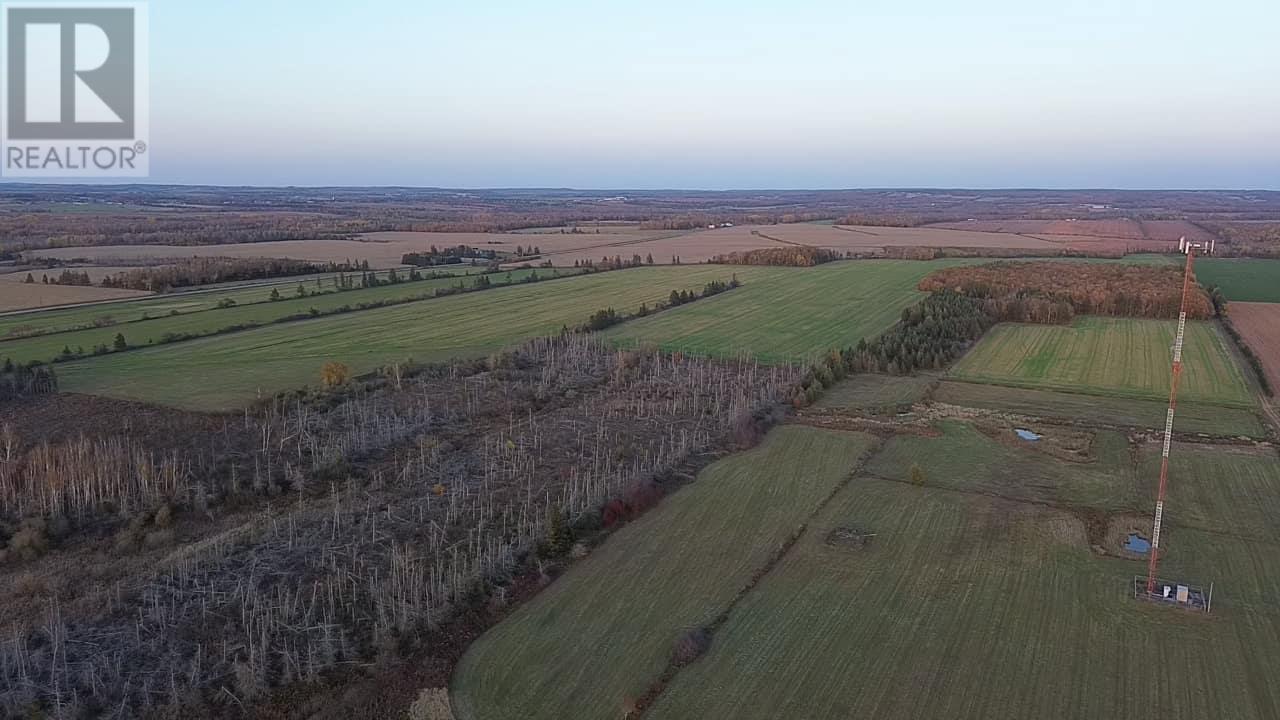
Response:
column 932, row 334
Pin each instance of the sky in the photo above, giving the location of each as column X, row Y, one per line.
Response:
column 717, row 95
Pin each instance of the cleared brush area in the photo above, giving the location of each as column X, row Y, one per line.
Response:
column 797, row 315
column 1146, row 414
column 1108, row 356
column 166, row 564
column 229, row 371
column 591, row 644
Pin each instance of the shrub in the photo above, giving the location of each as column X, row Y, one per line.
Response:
column 691, row 646
column 335, row 374
column 917, row 475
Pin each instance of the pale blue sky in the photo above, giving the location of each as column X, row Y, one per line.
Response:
column 741, row 94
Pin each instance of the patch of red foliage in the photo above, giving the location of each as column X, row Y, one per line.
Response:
column 1150, row 291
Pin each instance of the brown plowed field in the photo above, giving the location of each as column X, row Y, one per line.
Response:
column 1118, row 228
column 21, row 296
column 385, row 249
column 1259, row 325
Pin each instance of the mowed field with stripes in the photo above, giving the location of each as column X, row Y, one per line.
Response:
column 1109, row 356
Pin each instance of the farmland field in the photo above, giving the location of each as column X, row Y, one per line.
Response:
column 597, row 637
column 841, row 302
column 795, row 315
column 965, row 459
column 981, row 593
column 253, row 307
column 1259, row 325
column 872, row 392
column 21, row 296
column 152, row 306
column 1243, row 280
column 1148, row 414
column 227, row 371
column 1108, row 356
column 381, row 250
column 1121, row 228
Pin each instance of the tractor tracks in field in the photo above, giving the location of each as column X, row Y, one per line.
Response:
column 674, row 666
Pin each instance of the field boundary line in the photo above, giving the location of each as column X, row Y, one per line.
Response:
column 855, row 230
column 659, row 685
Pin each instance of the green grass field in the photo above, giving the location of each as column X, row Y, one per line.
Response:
column 257, row 310
column 599, row 635
column 965, row 459
column 842, row 303
column 1148, row 414
column 980, row 595
column 125, row 312
column 1228, row 489
column 877, row 392
column 1108, row 356
column 1241, row 279
column 967, row 607
column 811, row 312
column 227, row 371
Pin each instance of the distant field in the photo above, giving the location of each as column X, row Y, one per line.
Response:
column 1243, row 280
column 254, row 307
column 1259, row 325
column 228, row 371
column 596, row 638
column 380, row 249
column 195, row 300
column 796, row 314
column 873, row 392
column 21, row 296
column 1122, row 228
column 1108, row 356
column 1149, row 414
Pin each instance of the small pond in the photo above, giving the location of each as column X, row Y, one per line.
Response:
column 1028, row 435
column 1137, row 544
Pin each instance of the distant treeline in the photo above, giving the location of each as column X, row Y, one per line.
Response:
column 1052, row 292
column 798, row 256
column 617, row 262
column 66, row 277
column 208, row 271
column 608, row 317
column 1251, row 239
column 454, row 255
